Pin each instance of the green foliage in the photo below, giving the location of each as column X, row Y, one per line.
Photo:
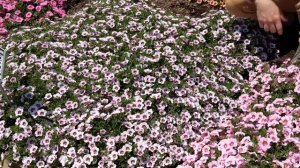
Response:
column 113, row 125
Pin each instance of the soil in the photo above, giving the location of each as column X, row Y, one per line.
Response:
column 74, row 6
column 183, row 7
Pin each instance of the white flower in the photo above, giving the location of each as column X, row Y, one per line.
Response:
column 113, row 155
column 19, row 111
column 40, row 164
column 87, row 159
column 94, row 151
column 63, row 159
column 48, row 96
column 33, row 149
column 51, row 158
column 64, row 143
column 111, row 165
column 23, row 123
column 132, row 161
column 27, row 160
column 41, row 112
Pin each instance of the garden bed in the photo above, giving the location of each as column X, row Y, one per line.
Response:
column 124, row 84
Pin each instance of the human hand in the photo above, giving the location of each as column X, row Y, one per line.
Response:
column 269, row 16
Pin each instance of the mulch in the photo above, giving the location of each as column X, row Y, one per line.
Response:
column 183, row 7
column 74, row 6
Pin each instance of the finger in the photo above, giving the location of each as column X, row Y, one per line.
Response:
column 278, row 25
column 272, row 28
column 266, row 27
column 261, row 25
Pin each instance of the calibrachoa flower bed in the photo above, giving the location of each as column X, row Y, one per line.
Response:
column 267, row 131
column 121, row 84
column 21, row 12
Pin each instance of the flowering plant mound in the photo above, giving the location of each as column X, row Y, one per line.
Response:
column 264, row 131
column 22, row 12
column 271, row 115
column 121, row 84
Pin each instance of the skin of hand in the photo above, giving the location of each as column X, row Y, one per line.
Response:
column 269, row 16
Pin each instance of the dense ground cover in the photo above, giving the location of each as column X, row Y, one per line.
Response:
column 122, row 84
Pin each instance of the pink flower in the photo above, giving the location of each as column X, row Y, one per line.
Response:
column 287, row 132
column 292, row 69
column 9, row 7
column 267, row 98
column 30, row 7
column 296, row 110
column 295, row 159
column 273, row 120
column 243, row 97
column 289, row 99
column 281, row 110
column 7, row 16
column 252, row 116
column 287, row 121
column 270, row 107
column 3, row 31
column 17, row 12
column 49, row 14
column 297, row 89
column 278, row 163
column 274, row 138
column 27, row 19
column 279, row 101
column 45, row 3
column 272, row 131
column 61, row 12
column 273, row 68
column 206, row 150
column 223, row 145
column 232, row 152
column 38, row 8
column 53, row 3
column 230, row 161
column 199, row 1
column 213, row 164
column 28, row 14
column 281, row 79
column 242, row 149
column 246, row 141
column 278, row 70
column 232, row 142
column 263, row 120
column 19, row 19
column 266, row 78
column 264, row 144
column 191, row 158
